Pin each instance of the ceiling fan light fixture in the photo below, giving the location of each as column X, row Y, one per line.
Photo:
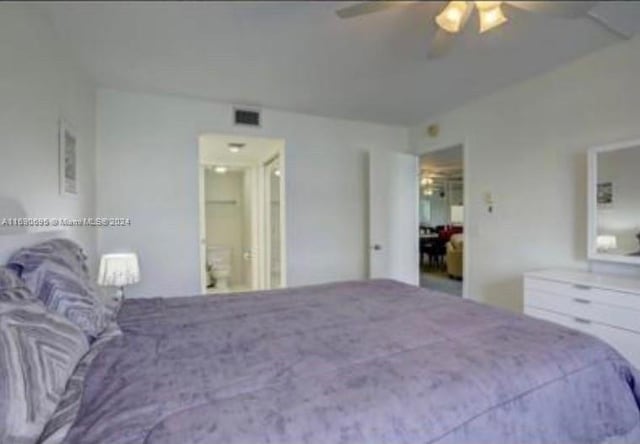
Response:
column 486, row 5
column 491, row 17
column 451, row 18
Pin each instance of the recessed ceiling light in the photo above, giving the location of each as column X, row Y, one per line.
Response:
column 221, row 169
column 235, row 147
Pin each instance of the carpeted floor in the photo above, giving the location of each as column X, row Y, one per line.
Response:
column 439, row 281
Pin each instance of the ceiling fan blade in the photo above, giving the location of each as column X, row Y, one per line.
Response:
column 556, row 8
column 620, row 18
column 440, row 44
column 369, row 7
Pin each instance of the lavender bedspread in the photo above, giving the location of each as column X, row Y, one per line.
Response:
column 357, row 362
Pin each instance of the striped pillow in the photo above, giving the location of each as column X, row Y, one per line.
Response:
column 9, row 279
column 18, row 294
column 56, row 272
column 65, row 252
column 63, row 291
column 39, row 351
column 69, row 406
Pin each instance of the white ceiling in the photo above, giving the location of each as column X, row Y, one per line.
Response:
column 300, row 56
column 214, row 150
column 442, row 160
column 445, row 163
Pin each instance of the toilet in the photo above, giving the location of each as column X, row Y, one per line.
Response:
column 219, row 259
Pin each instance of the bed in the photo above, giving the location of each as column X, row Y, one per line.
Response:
column 355, row 362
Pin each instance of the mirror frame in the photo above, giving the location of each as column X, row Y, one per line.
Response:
column 592, row 205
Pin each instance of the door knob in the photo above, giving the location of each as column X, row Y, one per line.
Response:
column 377, row 247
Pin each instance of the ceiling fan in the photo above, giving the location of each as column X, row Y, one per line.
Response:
column 454, row 16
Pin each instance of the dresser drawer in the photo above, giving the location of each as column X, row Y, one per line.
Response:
column 584, row 307
column 627, row 343
column 585, row 292
column 551, row 316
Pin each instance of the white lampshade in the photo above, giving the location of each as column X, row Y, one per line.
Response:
column 606, row 242
column 119, row 269
column 457, row 214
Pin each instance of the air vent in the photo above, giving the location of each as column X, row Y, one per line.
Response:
column 243, row 116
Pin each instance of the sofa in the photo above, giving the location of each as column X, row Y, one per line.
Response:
column 454, row 256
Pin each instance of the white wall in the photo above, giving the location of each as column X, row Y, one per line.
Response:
column 527, row 145
column 148, row 154
column 38, row 84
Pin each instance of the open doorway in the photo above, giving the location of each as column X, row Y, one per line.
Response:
column 442, row 220
column 241, row 213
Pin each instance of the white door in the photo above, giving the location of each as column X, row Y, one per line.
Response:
column 249, row 228
column 393, row 216
column 272, row 218
column 203, row 230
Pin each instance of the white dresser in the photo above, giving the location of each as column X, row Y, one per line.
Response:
column 605, row 306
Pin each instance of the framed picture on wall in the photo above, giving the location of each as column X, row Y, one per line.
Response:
column 68, row 159
column 605, row 194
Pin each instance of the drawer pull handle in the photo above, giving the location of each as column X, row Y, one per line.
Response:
column 581, row 301
column 582, row 321
column 581, row 287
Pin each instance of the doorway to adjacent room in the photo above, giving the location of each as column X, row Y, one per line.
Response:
column 442, row 220
column 242, row 241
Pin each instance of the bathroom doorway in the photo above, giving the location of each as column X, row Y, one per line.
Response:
column 241, row 213
column 228, row 229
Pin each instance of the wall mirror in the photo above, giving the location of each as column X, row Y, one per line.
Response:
column 614, row 203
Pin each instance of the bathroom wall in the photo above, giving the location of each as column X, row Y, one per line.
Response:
column 225, row 216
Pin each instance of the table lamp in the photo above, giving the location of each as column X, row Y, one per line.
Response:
column 606, row 242
column 119, row 270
